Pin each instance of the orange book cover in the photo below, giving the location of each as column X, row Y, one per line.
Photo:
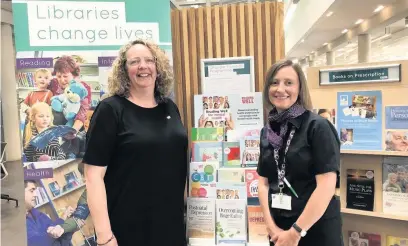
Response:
column 256, row 225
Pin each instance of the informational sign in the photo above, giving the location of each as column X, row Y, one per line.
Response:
column 359, row 120
column 232, row 75
column 354, row 75
column 86, row 24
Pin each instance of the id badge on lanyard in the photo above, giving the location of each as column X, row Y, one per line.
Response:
column 280, row 200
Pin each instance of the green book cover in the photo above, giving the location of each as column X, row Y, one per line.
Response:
column 207, row 134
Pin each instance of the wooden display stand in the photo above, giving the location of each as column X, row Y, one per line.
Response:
column 393, row 94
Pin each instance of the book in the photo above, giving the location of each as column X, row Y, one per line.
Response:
column 250, row 151
column 201, row 220
column 202, row 179
column 231, row 191
column 360, row 189
column 395, row 185
column 234, row 175
column 363, row 239
column 396, row 241
column 231, row 221
column 207, row 134
column 207, row 152
column 232, row 156
column 257, row 232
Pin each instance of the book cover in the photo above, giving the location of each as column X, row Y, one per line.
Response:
column 257, row 232
column 202, row 180
column 239, row 133
column 250, row 151
column 207, row 134
column 363, row 239
column 234, row 175
column 231, row 191
column 251, row 179
column 231, row 218
column 200, row 220
column 231, row 154
column 207, row 152
column 396, row 241
column 395, row 185
column 360, row 189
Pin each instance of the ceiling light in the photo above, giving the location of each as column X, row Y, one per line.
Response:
column 324, row 44
column 359, row 21
column 329, row 14
column 344, row 31
column 302, row 40
column 378, row 9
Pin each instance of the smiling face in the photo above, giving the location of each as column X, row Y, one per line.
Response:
column 42, row 80
column 141, row 66
column 64, row 79
column 284, row 89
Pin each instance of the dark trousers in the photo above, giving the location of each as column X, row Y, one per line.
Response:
column 325, row 232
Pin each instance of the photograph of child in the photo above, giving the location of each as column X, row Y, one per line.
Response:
column 222, row 119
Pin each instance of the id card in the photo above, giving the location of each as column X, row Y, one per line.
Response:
column 281, row 201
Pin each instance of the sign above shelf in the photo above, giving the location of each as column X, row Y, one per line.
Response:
column 358, row 75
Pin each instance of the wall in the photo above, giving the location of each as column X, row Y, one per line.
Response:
column 254, row 29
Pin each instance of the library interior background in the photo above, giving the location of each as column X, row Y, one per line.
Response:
column 355, row 58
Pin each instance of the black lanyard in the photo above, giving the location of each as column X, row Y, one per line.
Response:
column 281, row 172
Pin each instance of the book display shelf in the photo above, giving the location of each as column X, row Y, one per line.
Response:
column 54, row 195
column 371, row 105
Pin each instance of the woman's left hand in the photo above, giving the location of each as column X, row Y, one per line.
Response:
column 288, row 238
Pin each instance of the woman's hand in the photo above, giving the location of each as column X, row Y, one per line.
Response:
column 274, row 233
column 288, row 238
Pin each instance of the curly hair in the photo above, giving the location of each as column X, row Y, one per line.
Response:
column 119, row 82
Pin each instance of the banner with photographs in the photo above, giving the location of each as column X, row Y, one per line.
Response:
column 359, row 120
column 61, row 76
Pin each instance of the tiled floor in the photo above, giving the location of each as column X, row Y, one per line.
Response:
column 13, row 231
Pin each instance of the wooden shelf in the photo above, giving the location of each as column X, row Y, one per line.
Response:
column 374, row 214
column 370, row 152
column 68, row 191
column 41, row 204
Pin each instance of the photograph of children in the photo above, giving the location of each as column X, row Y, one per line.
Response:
column 396, row 141
column 56, row 103
column 346, row 136
column 57, row 208
column 329, row 114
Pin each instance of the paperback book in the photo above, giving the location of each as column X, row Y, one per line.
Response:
column 201, row 220
column 395, row 185
column 202, row 180
column 360, row 189
column 257, row 232
column 231, row 221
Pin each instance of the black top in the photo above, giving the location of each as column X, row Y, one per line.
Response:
column 315, row 149
column 145, row 151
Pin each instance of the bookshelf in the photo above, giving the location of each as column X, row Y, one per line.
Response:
column 393, row 94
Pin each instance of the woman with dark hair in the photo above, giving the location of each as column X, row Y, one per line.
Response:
column 298, row 162
column 136, row 154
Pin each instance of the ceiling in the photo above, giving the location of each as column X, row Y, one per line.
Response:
column 327, row 29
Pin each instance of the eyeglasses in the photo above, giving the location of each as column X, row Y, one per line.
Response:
column 137, row 60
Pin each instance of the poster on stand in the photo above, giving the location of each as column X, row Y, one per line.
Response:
column 359, row 120
column 396, row 128
column 232, row 75
column 232, row 111
column 64, row 52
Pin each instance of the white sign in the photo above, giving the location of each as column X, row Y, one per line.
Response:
column 56, row 23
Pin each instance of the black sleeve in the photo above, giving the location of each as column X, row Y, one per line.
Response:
column 325, row 147
column 101, row 136
column 262, row 168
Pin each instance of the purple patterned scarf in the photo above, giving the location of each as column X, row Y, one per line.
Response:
column 282, row 118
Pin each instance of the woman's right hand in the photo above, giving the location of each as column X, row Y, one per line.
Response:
column 274, row 232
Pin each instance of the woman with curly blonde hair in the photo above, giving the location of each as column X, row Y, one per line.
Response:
column 136, row 154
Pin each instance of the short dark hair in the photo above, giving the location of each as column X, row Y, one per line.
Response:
column 26, row 182
column 304, row 96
